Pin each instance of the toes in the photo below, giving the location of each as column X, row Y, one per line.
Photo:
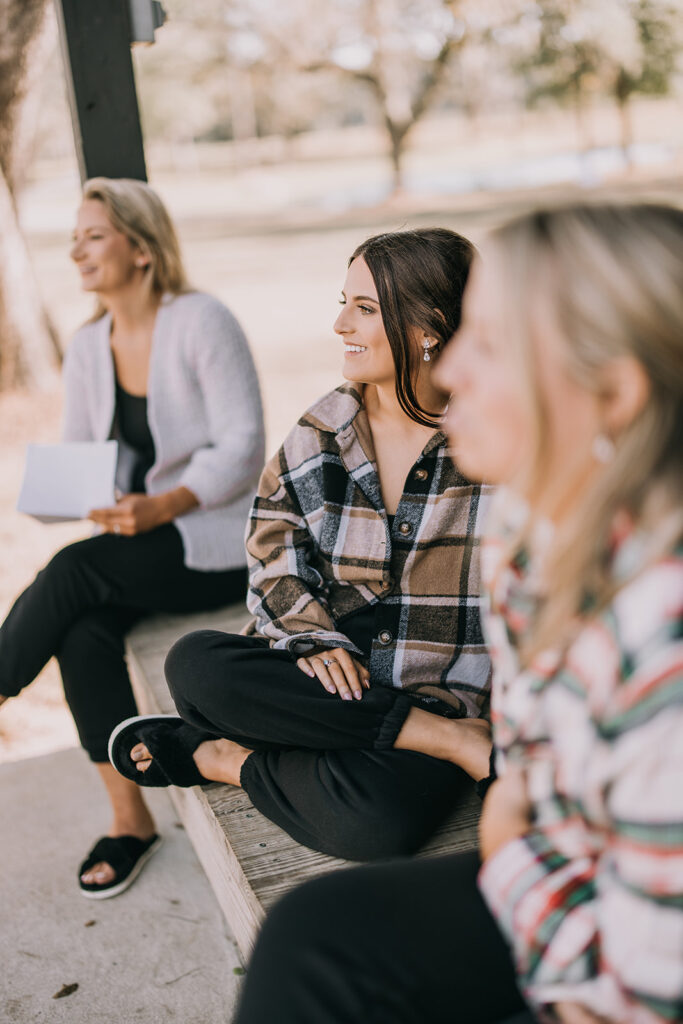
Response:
column 99, row 874
column 140, row 753
column 142, row 766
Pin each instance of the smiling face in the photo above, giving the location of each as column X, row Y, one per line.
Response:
column 367, row 354
column 502, row 415
column 106, row 259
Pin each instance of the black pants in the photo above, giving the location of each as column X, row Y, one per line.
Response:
column 81, row 605
column 323, row 769
column 408, row 942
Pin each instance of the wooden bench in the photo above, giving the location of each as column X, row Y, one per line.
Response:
column 249, row 861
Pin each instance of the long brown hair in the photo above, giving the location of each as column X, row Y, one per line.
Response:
column 420, row 277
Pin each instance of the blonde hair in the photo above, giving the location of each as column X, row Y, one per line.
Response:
column 136, row 211
column 611, row 278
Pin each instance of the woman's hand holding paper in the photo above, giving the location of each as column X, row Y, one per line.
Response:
column 139, row 513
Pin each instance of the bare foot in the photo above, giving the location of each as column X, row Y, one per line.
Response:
column 131, row 817
column 465, row 742
column 217, row 760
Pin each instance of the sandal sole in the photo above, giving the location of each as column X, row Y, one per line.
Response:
column 120, row 767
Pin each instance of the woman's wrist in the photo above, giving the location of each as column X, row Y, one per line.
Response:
column 177, row 502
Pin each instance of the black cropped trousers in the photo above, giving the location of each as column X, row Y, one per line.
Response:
column 79, row 609
column 405, row 942
column 322, row 768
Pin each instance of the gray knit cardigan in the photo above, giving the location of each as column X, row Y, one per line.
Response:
column 204, row 412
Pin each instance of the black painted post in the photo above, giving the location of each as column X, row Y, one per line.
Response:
column 95, row 38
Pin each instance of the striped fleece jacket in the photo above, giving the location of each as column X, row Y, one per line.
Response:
column 591, row 898
column 320, row 548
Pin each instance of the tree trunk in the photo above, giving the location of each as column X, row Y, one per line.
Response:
column 27, row 344
column 28, row 347
column 398, row 136
column 622, row 95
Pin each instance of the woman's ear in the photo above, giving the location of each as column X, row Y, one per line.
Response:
column 624, row 394
column 142, row 258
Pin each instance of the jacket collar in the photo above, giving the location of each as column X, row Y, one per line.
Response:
column 342, row 413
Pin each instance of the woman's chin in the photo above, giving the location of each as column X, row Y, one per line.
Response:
column 353, row 375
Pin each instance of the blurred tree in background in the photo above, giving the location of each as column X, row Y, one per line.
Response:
column 573, row 50
column 244, row 67
column 28, row 346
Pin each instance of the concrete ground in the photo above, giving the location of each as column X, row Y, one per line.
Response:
column 159, row 952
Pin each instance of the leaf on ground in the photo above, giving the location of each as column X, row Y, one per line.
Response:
column 239, row 971
column 89, row 924
column 66, row 990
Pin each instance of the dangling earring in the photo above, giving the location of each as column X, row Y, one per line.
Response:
column 603, row 449
column 425, row 344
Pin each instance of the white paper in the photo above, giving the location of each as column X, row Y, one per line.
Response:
column 66, row 481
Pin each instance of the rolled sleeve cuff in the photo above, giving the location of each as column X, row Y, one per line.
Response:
column 301, row 644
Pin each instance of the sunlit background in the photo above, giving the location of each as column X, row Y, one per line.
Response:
column 280, row 133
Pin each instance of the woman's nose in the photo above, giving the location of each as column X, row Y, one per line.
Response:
column 340, row 325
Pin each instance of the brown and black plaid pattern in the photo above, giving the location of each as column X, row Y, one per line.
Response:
column 320, row 548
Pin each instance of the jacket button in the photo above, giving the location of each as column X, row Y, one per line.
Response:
column 405, row 529
column 385, row 637
column 421, row 474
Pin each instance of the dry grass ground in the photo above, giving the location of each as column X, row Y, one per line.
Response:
column 264, row 241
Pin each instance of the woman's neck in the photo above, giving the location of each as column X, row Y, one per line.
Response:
column 131, row 309
column 382, row 404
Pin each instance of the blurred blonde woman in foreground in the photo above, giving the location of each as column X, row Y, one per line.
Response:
column 567, row 377
column 167, row 372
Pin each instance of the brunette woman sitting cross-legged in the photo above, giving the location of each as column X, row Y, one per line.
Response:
column 362, row 651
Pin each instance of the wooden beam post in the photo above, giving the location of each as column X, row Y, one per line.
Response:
column 95, row 39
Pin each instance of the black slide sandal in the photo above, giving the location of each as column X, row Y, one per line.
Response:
column 170, row 741
column 126, row 855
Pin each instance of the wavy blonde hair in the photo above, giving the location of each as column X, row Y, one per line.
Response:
column 610, row 277
column 136, row 211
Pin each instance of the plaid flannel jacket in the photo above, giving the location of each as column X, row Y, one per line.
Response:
column 319, row 549
column 591, row 898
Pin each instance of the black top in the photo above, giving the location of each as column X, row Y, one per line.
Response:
column 131, row 415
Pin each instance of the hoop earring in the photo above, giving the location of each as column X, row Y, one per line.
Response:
column 427, row 357
column 603, row 449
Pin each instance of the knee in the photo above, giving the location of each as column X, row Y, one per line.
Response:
column 200, row 665
column 300, row 921
column 186, row 661
column 65, row 562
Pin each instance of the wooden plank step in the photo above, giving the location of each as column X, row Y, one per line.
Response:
column 249, row 861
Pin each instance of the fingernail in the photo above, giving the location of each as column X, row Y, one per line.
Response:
column 310, row 672
column 330, row 689
column 357, row 694
column 347, row 696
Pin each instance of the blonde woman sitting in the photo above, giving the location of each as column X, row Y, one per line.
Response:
column 167, row 372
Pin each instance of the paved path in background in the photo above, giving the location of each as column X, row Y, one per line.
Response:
column 158, row 953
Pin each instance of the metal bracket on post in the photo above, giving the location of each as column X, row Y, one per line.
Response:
column 146, row 16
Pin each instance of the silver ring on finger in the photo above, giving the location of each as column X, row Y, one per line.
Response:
column 329, row 661
column 116, row 528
